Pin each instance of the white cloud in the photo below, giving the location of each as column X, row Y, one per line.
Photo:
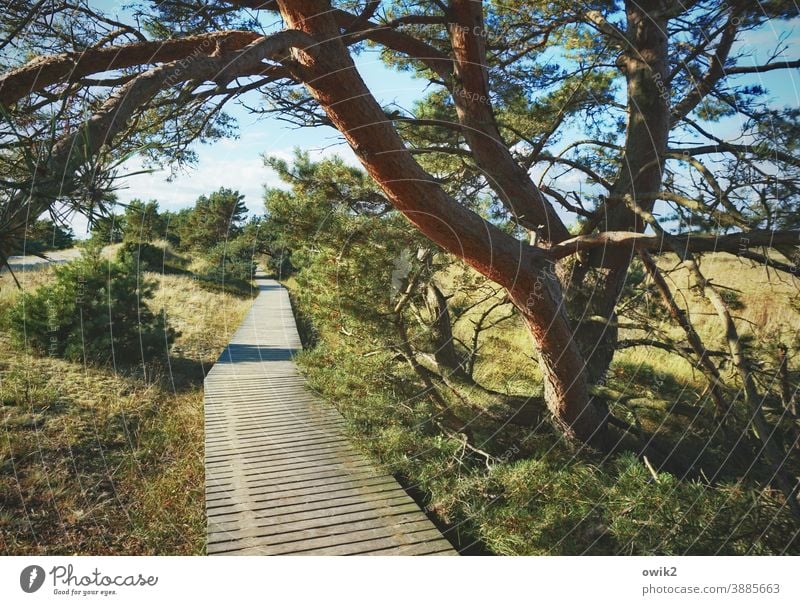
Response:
column 245, row 175
column 220, row 165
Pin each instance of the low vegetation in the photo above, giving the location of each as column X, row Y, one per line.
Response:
column 434, row 371
column 98, row 457
column 43, row 236
column 94, row 311
column 223, row 245
column 524, row 490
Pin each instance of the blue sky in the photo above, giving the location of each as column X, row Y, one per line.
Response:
column 237, row 163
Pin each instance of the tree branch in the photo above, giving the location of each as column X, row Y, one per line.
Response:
column 733, row 243
column 42, row 72
column 716, row 71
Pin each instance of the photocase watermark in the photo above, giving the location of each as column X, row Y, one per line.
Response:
column 81, row 291
column 663, row 89
column 52, row 327
column 67, row 582
column 177, row 75
column 794, row 258
column 31, row 578
column 472, row 96
column 510, row 453
column 548, row 272
column 476, row 30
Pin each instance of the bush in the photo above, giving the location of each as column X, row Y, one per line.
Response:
column 95, row 311
column 142, row 254
column 106, row 229
column 150, row 257
column 214, row 218
column 230, row 261
column 540, row 496
column 44, row 236
column 239, row 289
column 142, row 222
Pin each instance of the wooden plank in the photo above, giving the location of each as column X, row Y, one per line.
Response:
column 281, row 484
column 306, row 521
column 281, row 475
column 347, row 543
column 280, row 505
column 378, row 499
column 334, row 533
column 388, row 505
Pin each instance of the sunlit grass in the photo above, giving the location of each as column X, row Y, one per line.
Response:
column 98, row 460
column 544, row 495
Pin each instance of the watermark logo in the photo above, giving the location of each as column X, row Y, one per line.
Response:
column 31, row 578
column 66, row 580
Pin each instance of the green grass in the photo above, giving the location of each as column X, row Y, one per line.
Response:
column 99, row 461
column 542, row 495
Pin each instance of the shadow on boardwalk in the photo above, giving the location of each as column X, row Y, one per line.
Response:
column 281, row 475
column 237, row 353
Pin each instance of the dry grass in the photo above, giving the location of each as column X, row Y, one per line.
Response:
column 506, row 360
column 28, row 281
column 763, row 302
column 766, row 297
column 206, row 320
column 98, row 461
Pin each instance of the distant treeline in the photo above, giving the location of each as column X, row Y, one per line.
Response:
column 45, row 235
column 215, row 231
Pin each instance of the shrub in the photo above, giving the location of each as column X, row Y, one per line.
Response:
column 214, row 218
column 142, row 254
column 142, row 222
column 230, row 261
column 107, row 229
column 150, row 257
column 44, row 236
column 95, row 310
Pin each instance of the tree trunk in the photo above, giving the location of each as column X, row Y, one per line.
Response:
column 645, row 66
column 441, row 327
column 332, row 79
column 470, row 91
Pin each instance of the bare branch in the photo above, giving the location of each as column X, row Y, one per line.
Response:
column 760, row 69
column 733, row 243
column 715, row 73
column 725, row 147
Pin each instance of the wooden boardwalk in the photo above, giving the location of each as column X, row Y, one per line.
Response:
column 281, row 476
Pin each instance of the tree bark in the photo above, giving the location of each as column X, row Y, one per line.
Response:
column 645, row 66
column 441, row 327
column 46, row 71
column 332, row 79
column 473, row 105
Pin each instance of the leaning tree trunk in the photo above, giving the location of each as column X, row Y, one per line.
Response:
column 645, row 66
column 472, row 101
column 448, row 361
column 332, row 79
